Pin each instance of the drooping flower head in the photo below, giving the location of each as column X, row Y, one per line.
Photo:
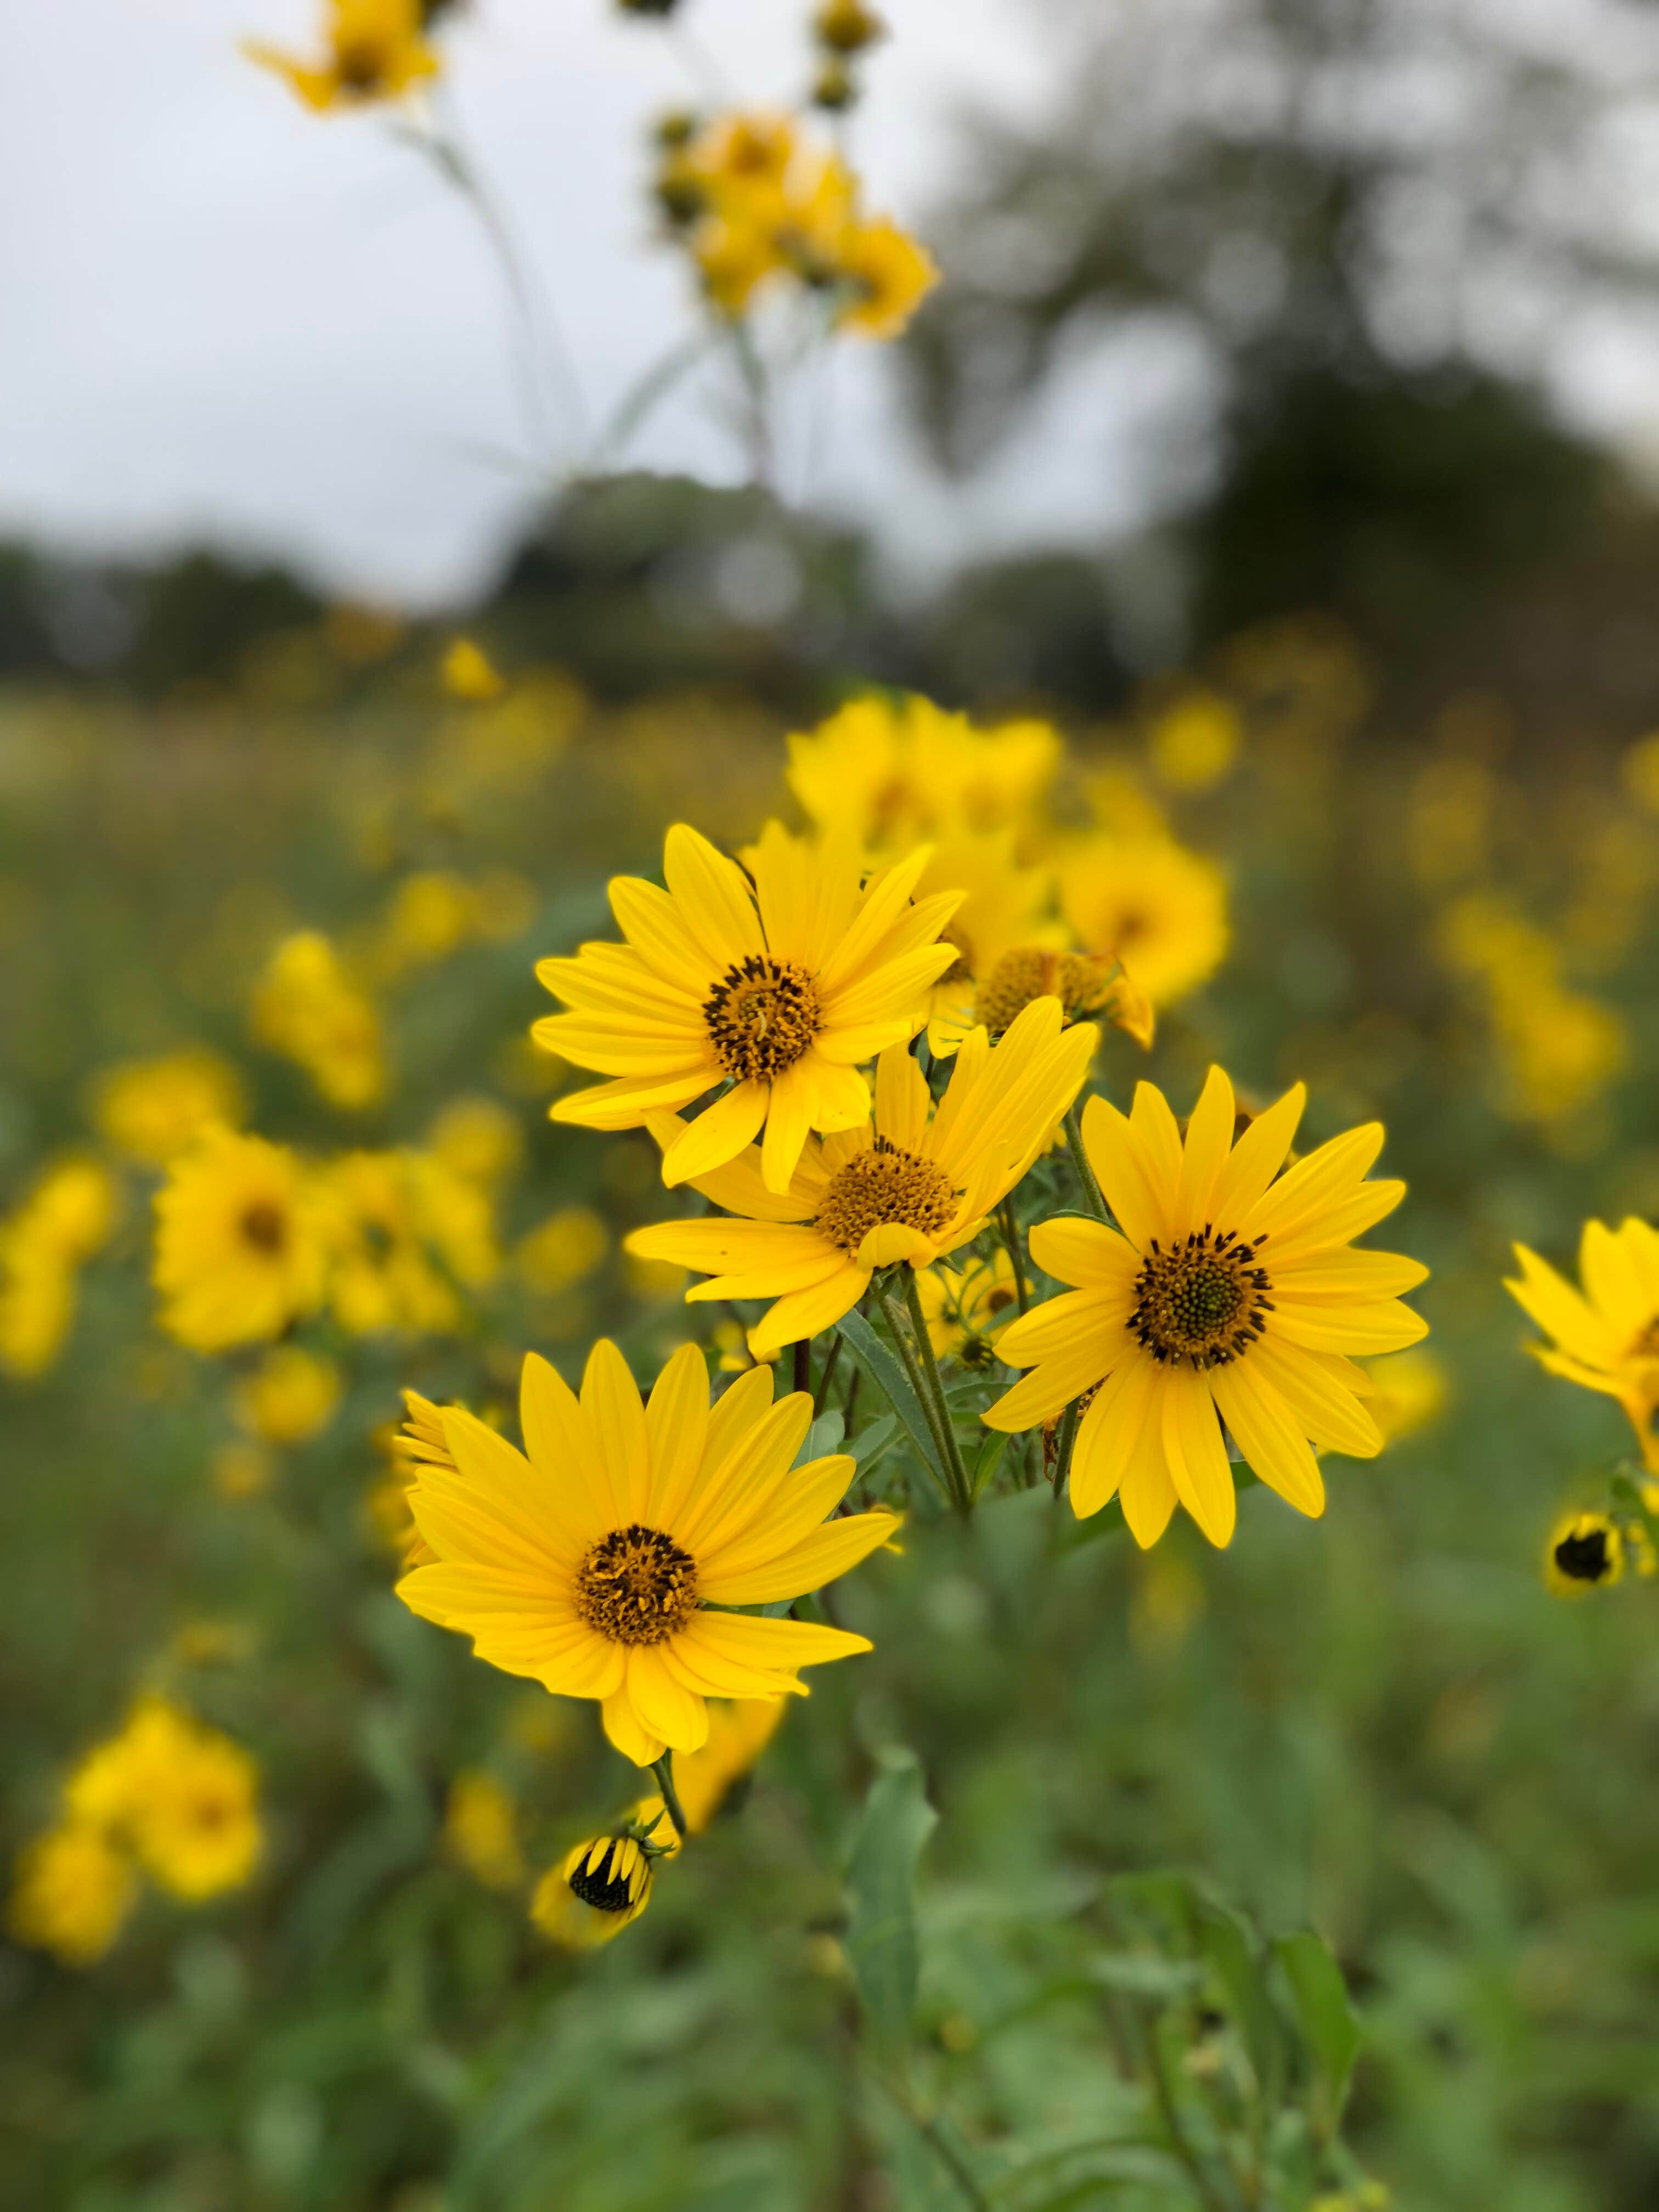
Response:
column 593, row 1560
column 1228, row 1292
column 600, row 1885
column 1585, row 1552
column 376, row 51
column 913, row 1184
column 1606, row 1337
column 776, row 989
column 239, row 1248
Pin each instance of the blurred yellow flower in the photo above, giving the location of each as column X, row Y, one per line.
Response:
column 376, row 52
column 1585, row 1552
column 153, row 1109
column 847, row 26
column 69, row 1212
column 595, row 1564
column 1087, row 985
column 1161, row 909
column 239, row 1249
column 477, row 1138
column 778, row 987
column 404, row 1229
column 1558, row 1048
column 481, row 1829
column 239, row 1471
column 74, row 1888
column 183, row 1795
column 884, row 273
column 1409, row 1391
column 651, row 1279
column 598, row 1886
column 1003, row 905
column 1639, row 772
column 562, row 1250
column 428, row 917
column 468, row 672
column 305, row 1008
column 1195, row 742
column 289, row 1397
column 964, row 1309
column 885, row 771
column 1606, row 1337
column 915, row 1182
column 1229, row 1293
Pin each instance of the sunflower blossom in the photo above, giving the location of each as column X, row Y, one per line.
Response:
column 1228, row 1293
column 599, row 1885
column 1161, row 909
column 600, row 1560
column 914, row 1183
column 777, row 990
column 1606, row 1337
column 888, row 771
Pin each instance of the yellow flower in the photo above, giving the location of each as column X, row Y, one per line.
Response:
column 913, row 1184
column 70, row 1212
column 477, row 1139
column 1003, row 905
column 887, row 275
column 593, row 1564
column 468, row 672
column 153, row 1109
column 305, row 1008
column 1085, row 983
column 74, row 1888
column 376, row 52
column 847, row 26
column 404, row 1229
column 1409, row 1390
column 1605, row 1338
column 779, row 991
column 1228, row 1294
column 886, row 771
column 1585, row 1552
column 562, row 1250
column 239, row 1250
column 739, row 1731
column 183, row 1795
column 289, row 1397
column 1160, row 909
column 963, row 1310
column 481, row 1829
column 600, row 1885
column 428, row 917
column 1195, row 742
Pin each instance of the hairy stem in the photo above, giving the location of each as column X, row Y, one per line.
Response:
column 1092, row 1191
column 953, row 1461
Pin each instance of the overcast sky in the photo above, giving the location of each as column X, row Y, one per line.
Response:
column 223, row 318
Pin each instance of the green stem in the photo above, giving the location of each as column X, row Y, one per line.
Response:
column 827, row 1376
column 897, row 1322
column 1092, row 1191
column 953, row 1461
column 1067, row 1439
column 1009, row 1229
column 663, row 1768
column 927, row 2127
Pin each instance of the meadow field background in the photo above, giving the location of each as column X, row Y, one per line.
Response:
column 1390, row 668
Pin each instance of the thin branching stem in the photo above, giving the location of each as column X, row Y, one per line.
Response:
column 663, row 1768
column 1092, row 1191
column 1010, row 1228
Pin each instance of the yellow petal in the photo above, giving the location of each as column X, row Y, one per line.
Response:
column 1209, row 1139
column 610, row 1399
column 1196, row 1455
column 716, row 1135
column 1268, row 1435
column 676, row 1425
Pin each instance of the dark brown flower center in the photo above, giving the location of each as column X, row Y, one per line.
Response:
column 636, row 1586
column 1080, row 980
column 1204, row 1301
column 360, row 65
column 885, row 1185
column 601, row 1885
column 762, row 1016
column 265, row 1225
column 1584, row 1556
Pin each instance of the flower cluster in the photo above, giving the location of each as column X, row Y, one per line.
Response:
column 167, row 1798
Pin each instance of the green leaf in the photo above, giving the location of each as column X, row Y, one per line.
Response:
column 990, row 1454
column 1326, row 2016
column 1144, row 1974
column 1236, row 1955
column 881, row 1888
column 883, row 1368
column 822, row 1438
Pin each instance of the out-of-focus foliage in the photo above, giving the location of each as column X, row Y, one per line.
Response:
column 1383, row 1725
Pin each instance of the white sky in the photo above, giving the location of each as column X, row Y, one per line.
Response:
column 224, row 319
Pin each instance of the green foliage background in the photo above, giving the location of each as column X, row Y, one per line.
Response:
column 1379, row 1724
